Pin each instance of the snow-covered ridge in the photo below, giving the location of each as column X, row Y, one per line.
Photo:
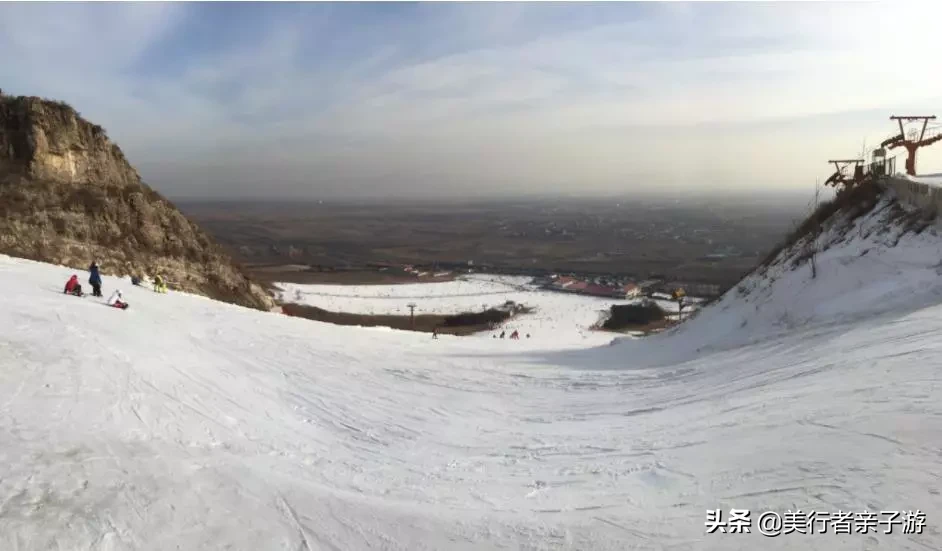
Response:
column 928, row 179
column 866, row 266
column 875, row 263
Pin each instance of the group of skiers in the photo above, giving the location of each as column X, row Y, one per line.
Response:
column 73, row 287
column 515, row 335
column 159, row 285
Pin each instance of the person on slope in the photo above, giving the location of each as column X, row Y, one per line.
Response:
column 73, row 287
column 515, row 335
column 95, row 279
column 116, row 301
column 159, row 285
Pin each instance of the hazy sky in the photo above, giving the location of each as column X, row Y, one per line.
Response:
column 392, row 99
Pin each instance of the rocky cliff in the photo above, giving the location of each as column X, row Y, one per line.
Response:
column 68, row 196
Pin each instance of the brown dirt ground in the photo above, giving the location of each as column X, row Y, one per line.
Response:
column 425, row 323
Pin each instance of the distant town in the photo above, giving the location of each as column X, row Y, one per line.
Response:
column 599, row 286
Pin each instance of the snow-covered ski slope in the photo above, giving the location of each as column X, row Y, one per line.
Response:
column 930, row 179
column 184, row 423
column 556, row 319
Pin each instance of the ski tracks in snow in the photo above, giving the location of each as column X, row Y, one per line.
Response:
column 193, row 424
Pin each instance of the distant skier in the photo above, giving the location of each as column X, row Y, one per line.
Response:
column 528, row 335
column 136, row 281
column 73, row 287
column 95, row 279
column 116, row 301
column 502, row 334
column 435, row 333
column 515, row 335
column 159, row 285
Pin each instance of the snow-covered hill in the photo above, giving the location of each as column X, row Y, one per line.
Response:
column 868, row 268
column 184, row 423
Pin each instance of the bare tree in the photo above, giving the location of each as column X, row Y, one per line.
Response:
column 815, row 230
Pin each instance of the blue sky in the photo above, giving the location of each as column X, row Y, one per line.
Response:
column 397, row 99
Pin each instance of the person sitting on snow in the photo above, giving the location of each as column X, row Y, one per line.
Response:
column 159, row 284
column 116, row 301
column 73, row 287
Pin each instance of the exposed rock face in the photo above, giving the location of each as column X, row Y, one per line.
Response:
column 68, row 196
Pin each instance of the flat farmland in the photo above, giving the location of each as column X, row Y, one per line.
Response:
column 708, row 242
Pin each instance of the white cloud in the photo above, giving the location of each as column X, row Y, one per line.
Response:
column 512, row 109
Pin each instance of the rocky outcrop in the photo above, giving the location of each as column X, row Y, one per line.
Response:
column 68, row 196
column 51, row 142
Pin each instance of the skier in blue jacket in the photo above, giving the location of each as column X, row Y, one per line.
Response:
column 95, row 279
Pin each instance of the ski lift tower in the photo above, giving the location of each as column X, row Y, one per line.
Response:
column 680, row 295
column 913, row 142
column 411, row 306
column 839, row 177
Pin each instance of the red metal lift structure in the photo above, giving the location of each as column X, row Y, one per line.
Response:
column 911, row 145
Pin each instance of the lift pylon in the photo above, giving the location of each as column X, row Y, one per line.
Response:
column 840, row 177
column 911, row 145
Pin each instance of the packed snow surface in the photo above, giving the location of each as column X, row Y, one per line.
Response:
column 929, row 179
column 184, row 423
column 556, row 318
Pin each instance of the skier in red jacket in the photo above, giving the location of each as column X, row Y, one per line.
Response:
column 73, row 287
